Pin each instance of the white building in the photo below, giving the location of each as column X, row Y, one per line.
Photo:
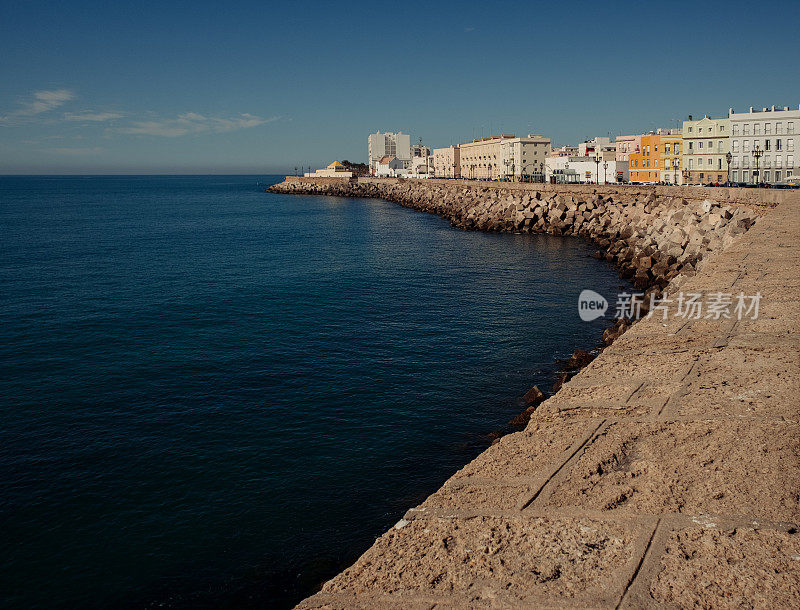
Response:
column 422, row 164
column 389, row 167
column 598, row 146
column 389, row 144
column 585, row 169
column 774, row 132
column 504, row 157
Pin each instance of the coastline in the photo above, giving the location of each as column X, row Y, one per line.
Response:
column 643, row 389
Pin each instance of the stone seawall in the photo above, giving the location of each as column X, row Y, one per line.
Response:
column 666, row 474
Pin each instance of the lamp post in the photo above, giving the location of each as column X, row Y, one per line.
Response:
column 605, row 172
column 541, row 170
column 757, row 152
column 728, row 157
column 597, row 169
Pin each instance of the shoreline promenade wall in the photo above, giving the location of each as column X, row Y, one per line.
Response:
column 667, row 472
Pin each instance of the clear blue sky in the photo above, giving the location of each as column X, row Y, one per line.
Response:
column 256, row 87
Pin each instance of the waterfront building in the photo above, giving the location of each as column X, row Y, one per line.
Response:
column 705, row 143
column 333, row 170
column 601, row 146
column 421, row 161
column 774, row 131
column 447, row 162
column 583, row 169
column 670, row 158
column 389, row 166
column 505, row 157
column 389, row 144
column 564, row 151
column 644, row 163
column 627, row 145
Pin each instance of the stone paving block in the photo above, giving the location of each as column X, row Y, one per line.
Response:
column 519, row 562
column 509, row 473
column 734, row 568
column 625, row 368
column 690, row 467
column 743, row 382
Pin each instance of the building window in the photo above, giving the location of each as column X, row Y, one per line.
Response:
column 735, row 129
column 777, row 176
column 736, row 176
column 691, row 163
column 767, row 144
column 790, row 127
column 790, row 144
column 757, row 129
column 778, row 144
column 745, row 176
column 789, row 160
column 700, row 144
column 691, row 145
column 735, row 146
column 746, row 129
column 721, row 128
column 746, row 146
column 767, row 128
column 778, row 161
column 690, row 130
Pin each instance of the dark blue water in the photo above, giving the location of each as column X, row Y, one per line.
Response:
column 216, row 397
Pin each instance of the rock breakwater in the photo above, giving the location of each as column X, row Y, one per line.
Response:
column 652, row 238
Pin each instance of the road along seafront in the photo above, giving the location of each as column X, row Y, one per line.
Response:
column 667, row 472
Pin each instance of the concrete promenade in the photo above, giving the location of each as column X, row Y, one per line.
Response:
column 665, row 474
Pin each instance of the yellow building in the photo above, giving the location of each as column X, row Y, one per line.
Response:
column 671, row 145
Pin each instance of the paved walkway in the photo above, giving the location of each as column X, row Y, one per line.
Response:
column 667, row 473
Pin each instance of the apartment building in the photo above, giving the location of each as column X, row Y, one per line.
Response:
column 447, row 162
column 505, row 157
column 627, row 145
column 770, row 133
column 670, row 159
column 705, row 143
column 644, row 164
column 388, row 144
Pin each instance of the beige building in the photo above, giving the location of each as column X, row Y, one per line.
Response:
column 334, row 170
column 705, row 144
column 447, row 162
column 505, row 157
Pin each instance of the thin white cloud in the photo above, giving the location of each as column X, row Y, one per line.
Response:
column 92, row 117
column 193, row 123
column 74, row 151
column 39, row 103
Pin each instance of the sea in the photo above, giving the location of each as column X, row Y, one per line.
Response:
column 217, row 397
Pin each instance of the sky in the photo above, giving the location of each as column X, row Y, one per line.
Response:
column 261, row 88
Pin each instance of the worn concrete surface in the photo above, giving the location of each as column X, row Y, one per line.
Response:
column 665, row 474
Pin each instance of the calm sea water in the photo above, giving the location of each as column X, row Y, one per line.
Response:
column 216, row 397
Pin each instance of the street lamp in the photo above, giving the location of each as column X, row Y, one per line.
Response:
column 605, row 172
column 597, row 169
column 757, row 152
column 728, row 157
